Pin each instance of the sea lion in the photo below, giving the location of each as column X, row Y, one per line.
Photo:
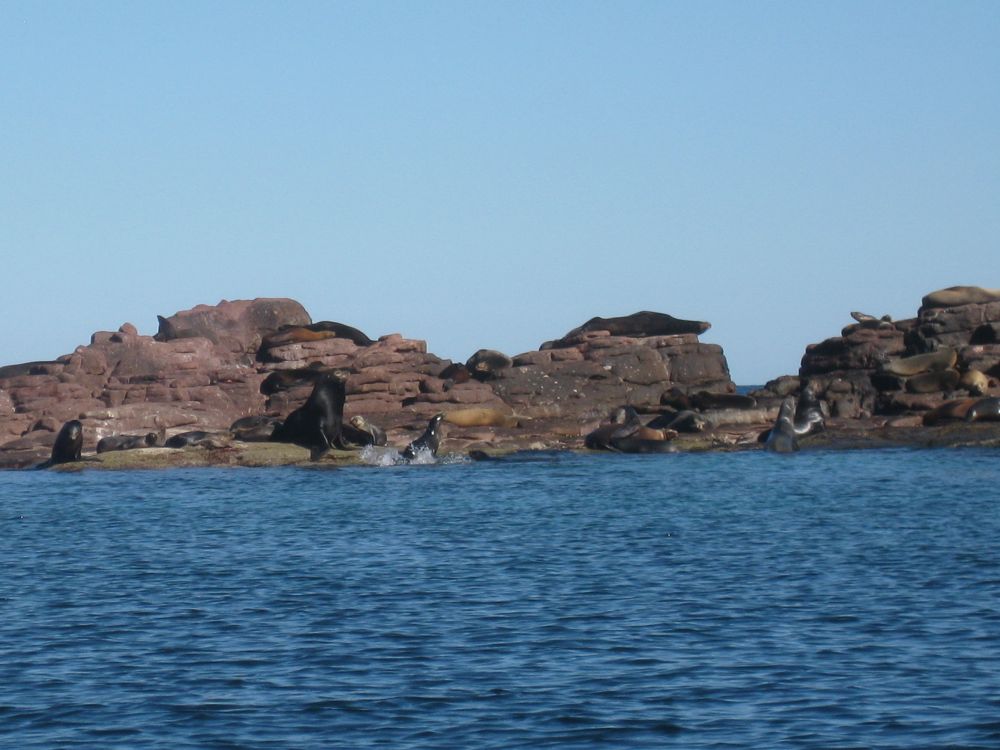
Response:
column 429, row 441
column 318, row 423
column 953, row 296
column 456, row 373
column 485, row 364
column 625, row 433
column 705, row 401
column 870, row 321
column 481, row 417
column 255, row 429
column 808, row 413
column 975, row 382
column 984, row 410
column 68, row 445
column 781, row 438
column 942, row 359
column 283, row 380
column 293, row 335
column 366, row 432
column 128, row 442
column 644, row 323
column 931, row 382
column 199, row 438
column 949, row 411
column 686, row 420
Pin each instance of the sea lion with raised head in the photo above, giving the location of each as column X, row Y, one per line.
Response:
column 626, row 433
column 782, row 437
column 428, row 441
column 485, row 364
column 254, row 429
column 364, row 432
column 318, row 423
column 68, row 445
column 975, row 382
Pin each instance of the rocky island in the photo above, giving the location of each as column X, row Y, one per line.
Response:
column 232, row 372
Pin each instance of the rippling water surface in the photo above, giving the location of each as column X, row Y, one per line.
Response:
column 821, row 600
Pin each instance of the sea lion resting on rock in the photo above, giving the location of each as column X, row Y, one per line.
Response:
column 318, row 423
column 364, row 432
column 644, row 323
column 942, row 359
column 949, row 411
column 984, row 410
column 255, row 429
column 68, row 445
column 283, row 380
column 953, row 296
column 686, row 420
column 129, row 442
column 486, row 363
column 429, row 441
column 934, row 381
column 706, row 400
column 481, row 417
column 199, row 438
column 314, row 332
column 626, row 433
column 975, row 382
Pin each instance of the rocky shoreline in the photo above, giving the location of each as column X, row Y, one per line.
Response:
column 880, row 383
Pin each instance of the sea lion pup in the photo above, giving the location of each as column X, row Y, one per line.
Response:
column 255, row 429
column 781, row 438
column 485, row 364
column 318, row 423
column 68, row 445
column 481, row 417
column 949, row 411
column 127, row 442
column 364, row 432
column 199, row 438
column 941, row 359
column 428, row 441
column 984, row 410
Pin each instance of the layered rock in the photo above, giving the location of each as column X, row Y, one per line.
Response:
column 881, row 367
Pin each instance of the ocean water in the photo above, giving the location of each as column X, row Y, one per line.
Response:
column 837, row 599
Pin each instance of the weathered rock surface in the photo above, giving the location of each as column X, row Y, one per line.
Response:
column 204, row 369
column 880, row 367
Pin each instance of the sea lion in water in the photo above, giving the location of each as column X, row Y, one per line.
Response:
column 808, row 413
column 942, row 359
column 365, row 433
column 429, row 441
column 318, row 423
column 984, row 410
column 68, row 445
column 128, row 442
column 953, row 296
column 782, row 437
column 481, row 417
column 255, row 429
column 486, row 363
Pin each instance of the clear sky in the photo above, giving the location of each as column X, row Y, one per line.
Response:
column 491, row 175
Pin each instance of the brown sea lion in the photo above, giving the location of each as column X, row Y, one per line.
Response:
column 625, row 433
column 364, row 432
column 283, row 380
column 294, row 335
column 481, row 417
column 949, row 411
column 953, row 296
column 942, row 359
column 933, row 381
column 456, row 373
column 485, row 364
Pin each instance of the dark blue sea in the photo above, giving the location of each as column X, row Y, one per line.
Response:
column 832, row 599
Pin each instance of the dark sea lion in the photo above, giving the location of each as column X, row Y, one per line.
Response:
column 456, row 373
column 941, row 359
column 128, row 442
column 318, row 423
column 341, row 331
column 364, row 432
column 954, row 296
column 68, row 445
column 254, row 429
column 625, row 433
column 686, row 420
column 429, row 441
column 984, row 334
column 198, row 438
column 949, row 411
column 677, row 399
column 704, row 401
column 283, row 380
column 644, row 323
column 782, row 438
column 808, row 413
column 984, row 410
column 486, row 363
column 931, row 382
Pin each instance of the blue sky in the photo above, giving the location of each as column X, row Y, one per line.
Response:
column 494, row 174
